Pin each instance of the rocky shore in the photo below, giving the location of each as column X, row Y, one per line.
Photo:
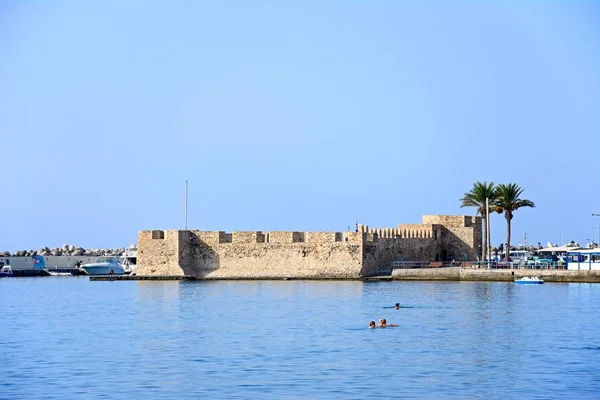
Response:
column 66, row 250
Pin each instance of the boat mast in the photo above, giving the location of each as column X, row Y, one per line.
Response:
column 186, row 202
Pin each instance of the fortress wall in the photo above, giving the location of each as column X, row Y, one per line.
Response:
column 317, row 260
column 462, row 244
column 461, row 235
column 158, row 253
column 380, row 254
column 197, row 256
column 371, row 237
column 314, row 255
column 462, row 239
column 415, row 249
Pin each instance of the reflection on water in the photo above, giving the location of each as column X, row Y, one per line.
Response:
column 149, row 291
column 72, row 338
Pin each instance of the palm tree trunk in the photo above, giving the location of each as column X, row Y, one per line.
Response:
column 489, row 239
column 507, row 250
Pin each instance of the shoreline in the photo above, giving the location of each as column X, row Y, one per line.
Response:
column 456, row 274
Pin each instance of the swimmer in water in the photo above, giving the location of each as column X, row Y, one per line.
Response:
column 372, row 325
column 383, row 323
column 397, row 306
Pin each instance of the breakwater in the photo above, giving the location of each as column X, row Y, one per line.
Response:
column 65, row 251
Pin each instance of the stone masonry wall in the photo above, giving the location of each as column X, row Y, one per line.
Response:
column 314, row 255
column 158, row 253
column 276, row 260
column 461, row 235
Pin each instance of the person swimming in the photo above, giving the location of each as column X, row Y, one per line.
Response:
column 383, row 323
column 372, row 325
column 397, row 306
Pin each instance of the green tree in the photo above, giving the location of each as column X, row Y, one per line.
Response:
column 508, row 200
column 476, row 197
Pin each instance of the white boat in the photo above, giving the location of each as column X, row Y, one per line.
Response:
column 529, row 281
column 37, row 265
column 584, row 259
column 60, row 273
column 6, row 272
column 129, row 259
column 104, row 266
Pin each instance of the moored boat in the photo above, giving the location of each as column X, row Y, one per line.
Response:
column 104, row 266
column 39, row 265
column 129, row 259
column 529, row 281
column 59, row 273
column 6, row 272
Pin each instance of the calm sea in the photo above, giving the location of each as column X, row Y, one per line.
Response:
column 69, row 338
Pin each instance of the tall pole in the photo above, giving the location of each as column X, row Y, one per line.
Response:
column 487, row 227
column 597, row 215
column 186, row 195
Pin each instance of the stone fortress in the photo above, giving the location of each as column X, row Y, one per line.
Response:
column 306, row 255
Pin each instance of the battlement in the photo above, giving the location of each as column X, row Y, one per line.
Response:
column 403, row 231
column 251, row 237
column 429, row 229
column 420, row 231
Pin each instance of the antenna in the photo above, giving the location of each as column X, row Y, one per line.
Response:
column 186, row 202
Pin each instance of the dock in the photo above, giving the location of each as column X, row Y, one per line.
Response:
column 417, row 274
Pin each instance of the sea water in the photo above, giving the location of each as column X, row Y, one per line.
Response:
column 70, row 338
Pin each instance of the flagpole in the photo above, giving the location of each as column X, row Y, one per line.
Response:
column 186, row 203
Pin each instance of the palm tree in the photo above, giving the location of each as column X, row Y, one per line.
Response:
column 508, row 201
column 477, row 198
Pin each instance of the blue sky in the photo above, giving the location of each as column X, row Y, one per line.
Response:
column 293, row 115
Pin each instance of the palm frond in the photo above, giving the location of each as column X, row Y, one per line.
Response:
column 477, row 196
column 508, row 197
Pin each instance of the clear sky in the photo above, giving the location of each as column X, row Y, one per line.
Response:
column 293, row 115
